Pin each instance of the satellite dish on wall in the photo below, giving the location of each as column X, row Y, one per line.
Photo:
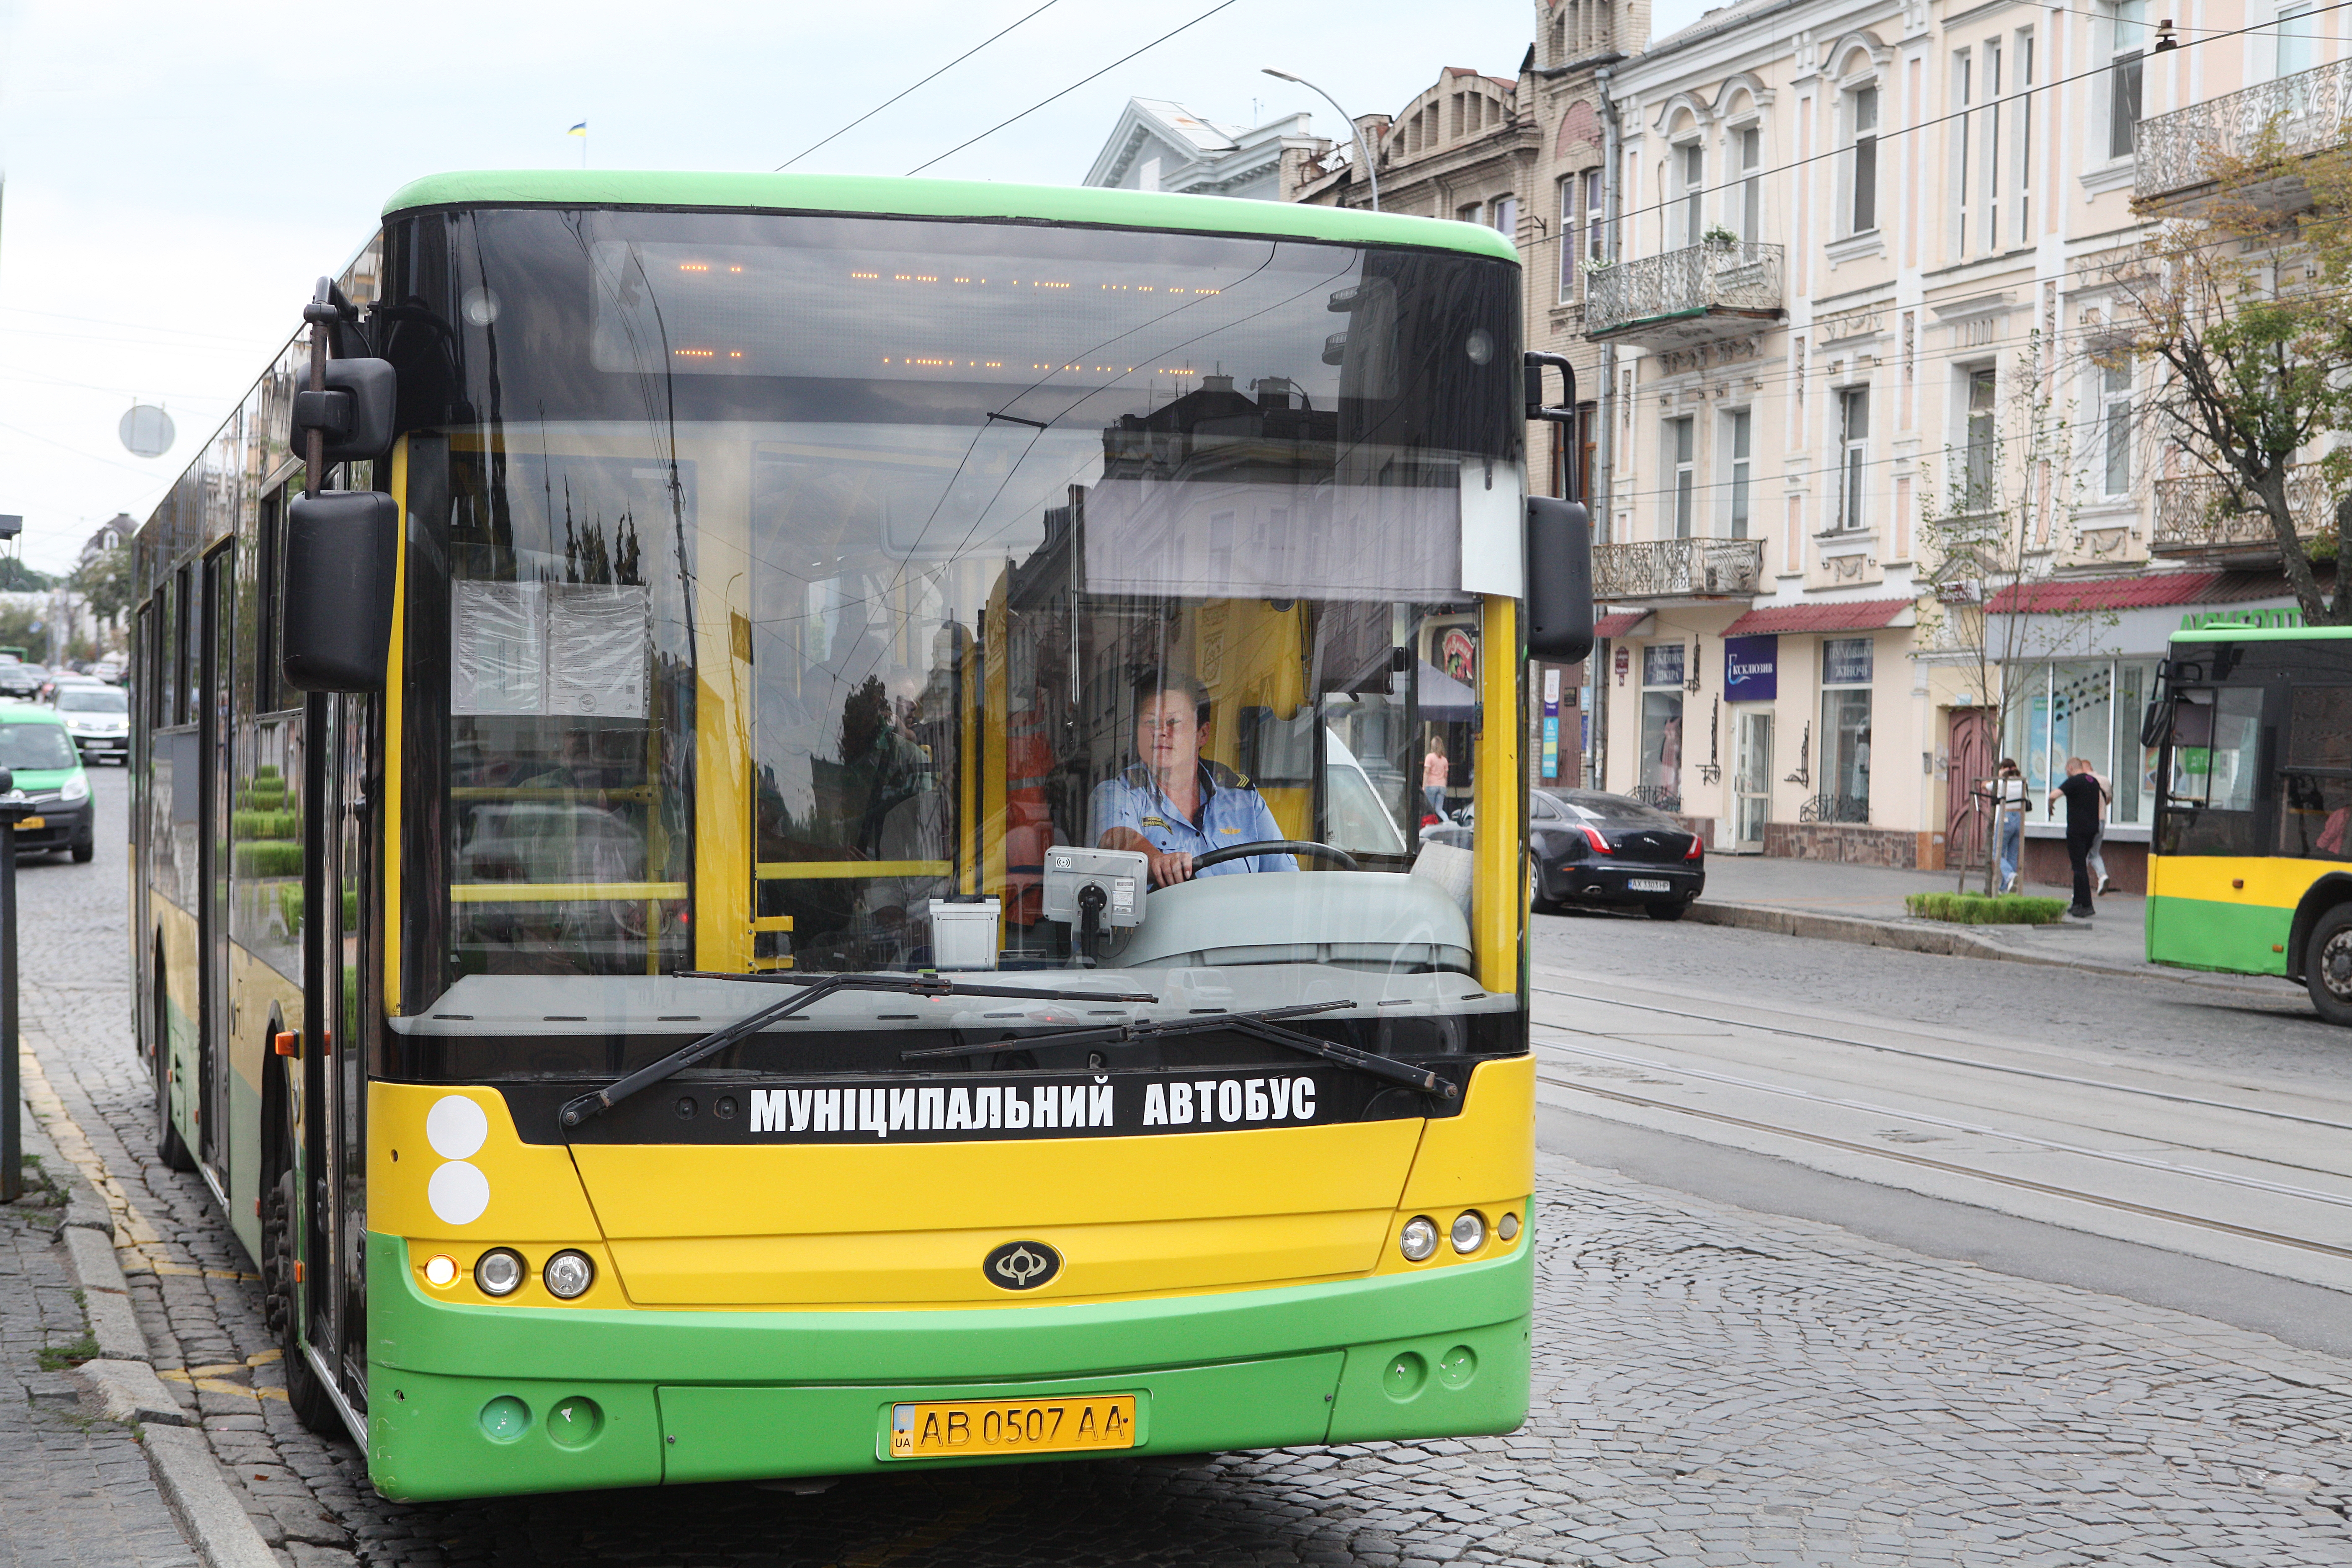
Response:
column 146, row 431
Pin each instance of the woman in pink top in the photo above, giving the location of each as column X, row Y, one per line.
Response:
column 1436, row 773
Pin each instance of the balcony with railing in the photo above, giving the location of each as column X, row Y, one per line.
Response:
column 2203, row 518
column 1664, row 571
column 2179, row 155
column 1699, row 294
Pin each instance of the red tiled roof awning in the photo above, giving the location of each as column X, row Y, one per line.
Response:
column 2149, row 590
column 1853, row 615
column 1619, row 625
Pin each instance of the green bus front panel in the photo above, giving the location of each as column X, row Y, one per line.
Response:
column 468, row 1401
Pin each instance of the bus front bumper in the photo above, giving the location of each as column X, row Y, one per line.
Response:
column 584, row 1398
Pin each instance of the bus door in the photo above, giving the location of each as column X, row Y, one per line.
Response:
column 214, row 788
column 339, row 747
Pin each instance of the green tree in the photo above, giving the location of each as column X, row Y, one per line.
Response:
column 16, row 577
column 2241, row 307
column 104, row 583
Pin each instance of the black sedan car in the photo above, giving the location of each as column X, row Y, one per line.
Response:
column 1603, row 851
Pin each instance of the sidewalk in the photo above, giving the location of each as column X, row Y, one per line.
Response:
column 1827, row 899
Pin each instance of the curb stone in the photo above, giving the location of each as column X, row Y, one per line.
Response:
column 1908, row 937
column 129, row 1391
column 197, row 1489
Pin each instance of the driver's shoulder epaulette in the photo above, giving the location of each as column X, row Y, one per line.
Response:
column 1224, row 777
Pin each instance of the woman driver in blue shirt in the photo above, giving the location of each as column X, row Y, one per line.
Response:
column 1174, row 804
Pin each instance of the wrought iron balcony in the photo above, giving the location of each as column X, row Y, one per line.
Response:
column 2203, row 518
column 1666, row 568
column 2179, row 154
column 1698, row 294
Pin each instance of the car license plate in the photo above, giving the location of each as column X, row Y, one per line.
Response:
column 32, row 823
column 960, row 1428
column 1648, row 885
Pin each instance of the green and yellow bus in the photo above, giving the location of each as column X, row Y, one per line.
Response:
column 671, row 1006
column 2250, row 871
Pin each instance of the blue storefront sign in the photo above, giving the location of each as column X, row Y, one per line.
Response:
column 1751, row 668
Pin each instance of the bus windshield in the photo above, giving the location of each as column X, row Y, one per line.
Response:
column 791, row 585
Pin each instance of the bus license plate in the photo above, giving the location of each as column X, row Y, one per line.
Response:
column 960, row 1428
column 1648, row 885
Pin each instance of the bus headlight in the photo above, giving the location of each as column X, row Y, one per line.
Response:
column 1469, row 1231
column 1418, row 1241
column 498, row 1271
column 568, row 1275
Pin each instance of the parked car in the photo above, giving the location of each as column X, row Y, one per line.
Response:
column 18, row 678
column 34, row 747
column 98, row 717
column 1593, row 850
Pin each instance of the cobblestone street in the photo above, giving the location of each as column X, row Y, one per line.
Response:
column 1713, row 1387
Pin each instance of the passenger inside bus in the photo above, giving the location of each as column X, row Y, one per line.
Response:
column 1172, row 804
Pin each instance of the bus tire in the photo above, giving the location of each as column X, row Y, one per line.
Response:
column 2327, row 965
column 282, row 1306
column 170, row 1147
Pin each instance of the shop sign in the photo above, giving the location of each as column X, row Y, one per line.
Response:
column 1661, row 664
column 1457, row 655
column 1751, row 668
column 1551, row 724
column 1846, row 661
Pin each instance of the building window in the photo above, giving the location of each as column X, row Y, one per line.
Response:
column 2123, row 77
column 1749, row 200
column 1595, row 240
column 2295, row 37
column 1571, row 233
column 2088, row 709
column 1679, row 444
column 1661, row 780
column 1977, row 459
column 1853, row 447
column 1505, row 211
column 1741, row 424
column 1846, row 672
column 1964, row 87
column 1572, row 447
column 1991, row 118
column 1690, row 179
column 2021, row 137
column 1474, row 213
column 2116, row 428
column 1861, row 214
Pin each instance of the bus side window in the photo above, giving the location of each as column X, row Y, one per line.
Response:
column 2315, row 797
column 2216, row 749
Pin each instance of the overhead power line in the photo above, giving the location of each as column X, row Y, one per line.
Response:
column 935, row 76
column 1082, row 81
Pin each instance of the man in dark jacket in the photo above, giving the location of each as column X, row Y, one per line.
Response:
column 2082, row 792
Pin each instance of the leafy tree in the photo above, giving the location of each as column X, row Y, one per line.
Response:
column 16, row 577
column 104, row 583
column 2241, row 306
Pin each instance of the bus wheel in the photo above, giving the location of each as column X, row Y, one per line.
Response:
column 282, row 1304
column 170, row 1147
column 2327, row 965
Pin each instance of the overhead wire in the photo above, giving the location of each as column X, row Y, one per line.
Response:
column 1225, row 4
column 935, row 76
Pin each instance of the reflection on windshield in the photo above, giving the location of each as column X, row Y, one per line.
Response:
column 806, row 583
column 35, row 746
column 86, row 701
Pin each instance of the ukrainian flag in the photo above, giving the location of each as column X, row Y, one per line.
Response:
column 579, row 129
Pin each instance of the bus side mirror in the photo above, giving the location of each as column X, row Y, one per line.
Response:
column 342, row 554
column 2156, row 722
column 353, row 410
column 1559, row 580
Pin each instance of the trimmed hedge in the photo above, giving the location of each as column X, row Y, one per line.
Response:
column 259, row 824
column 1978, row 909
column 271, row 857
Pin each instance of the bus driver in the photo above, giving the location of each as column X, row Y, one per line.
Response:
column 1174, row 803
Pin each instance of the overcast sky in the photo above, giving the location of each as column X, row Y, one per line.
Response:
column 177, row 174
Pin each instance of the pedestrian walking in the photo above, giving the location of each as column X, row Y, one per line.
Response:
column 2101, row 883
column 2081, row 794
column 1436, row 773
column 2009, row 808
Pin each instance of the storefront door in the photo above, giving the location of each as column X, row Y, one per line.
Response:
column 1752, row 785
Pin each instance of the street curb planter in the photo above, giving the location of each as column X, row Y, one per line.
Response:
column 1985, row 909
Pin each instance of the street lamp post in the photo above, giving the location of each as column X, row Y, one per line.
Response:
column 1363, row 149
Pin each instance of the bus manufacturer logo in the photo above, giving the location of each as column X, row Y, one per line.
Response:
column 1022, row 1265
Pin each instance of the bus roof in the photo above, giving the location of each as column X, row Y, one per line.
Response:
column 899, row 197
column 2239, row 631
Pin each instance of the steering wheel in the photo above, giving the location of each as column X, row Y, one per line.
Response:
column 1219, row 856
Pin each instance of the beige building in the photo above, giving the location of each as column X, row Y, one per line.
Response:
column 1851, row 296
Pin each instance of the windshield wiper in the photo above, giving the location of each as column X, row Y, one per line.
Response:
column 1261, row 1025
column 813, row 989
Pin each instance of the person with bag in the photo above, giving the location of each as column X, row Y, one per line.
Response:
column 2009, row 808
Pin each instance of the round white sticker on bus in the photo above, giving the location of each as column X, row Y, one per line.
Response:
column 459, row 1192
column 457, row 1128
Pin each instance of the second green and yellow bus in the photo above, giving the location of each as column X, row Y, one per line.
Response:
column 687, row 1019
